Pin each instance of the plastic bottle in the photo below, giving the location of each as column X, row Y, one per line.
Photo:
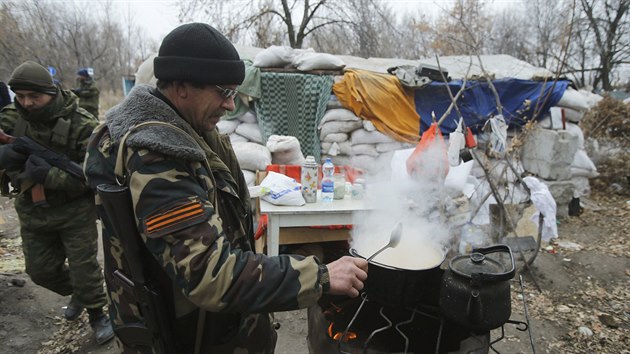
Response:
column 340, row 185
column 328, row 182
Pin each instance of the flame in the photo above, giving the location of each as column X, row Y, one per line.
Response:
column 349, row 336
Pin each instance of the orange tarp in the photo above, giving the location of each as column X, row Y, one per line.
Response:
column 381, row 99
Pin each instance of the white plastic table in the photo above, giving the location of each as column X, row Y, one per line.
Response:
column 337, row 212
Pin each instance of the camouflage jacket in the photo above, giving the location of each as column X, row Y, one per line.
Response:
column 61, row 126
column 193, row 213
column 88, row 95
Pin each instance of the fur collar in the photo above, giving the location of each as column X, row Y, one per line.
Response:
column 141, row 106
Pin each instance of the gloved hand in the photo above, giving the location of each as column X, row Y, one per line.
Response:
column 37, row 169
column 11, row 159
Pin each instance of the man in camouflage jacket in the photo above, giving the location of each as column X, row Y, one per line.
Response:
column 192, row 207
column 65, row 227
column 87, row 91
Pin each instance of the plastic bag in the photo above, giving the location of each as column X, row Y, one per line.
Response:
column 279, row 189
column 429, row 160
column 498, row 136
column 544, row 202
column 456, row 142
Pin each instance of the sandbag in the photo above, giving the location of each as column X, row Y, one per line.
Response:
column 338, row 127
column 235, row 138
column 582, row 166
column 274, row 57
column 573, row 99
column 572, row 115
column 248, row 117
column 317, row 61
column 361, row 136
column 334, row 149
column 145, row 75
column 338, row 114
column 335, row 138
column 369, row 126
column 285, row 150
column 333, row 103
column 252, row 156
column 339, row 160
column 365, row 149
column 575, row 129
column 250, row 177
column 251, row 131
column 227, row 126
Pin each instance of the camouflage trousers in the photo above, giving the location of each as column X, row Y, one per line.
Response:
column 50, row 236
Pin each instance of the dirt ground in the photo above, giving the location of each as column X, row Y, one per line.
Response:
column 583, row 305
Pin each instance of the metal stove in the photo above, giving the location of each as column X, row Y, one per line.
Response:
column 363, row 326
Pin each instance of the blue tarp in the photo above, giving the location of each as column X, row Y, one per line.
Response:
column 520, row 100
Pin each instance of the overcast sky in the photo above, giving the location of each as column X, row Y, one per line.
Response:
column 158, row 17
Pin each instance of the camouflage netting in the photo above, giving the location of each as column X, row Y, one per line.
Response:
column 607, row 131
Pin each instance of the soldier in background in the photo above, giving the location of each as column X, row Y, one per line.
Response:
column 87, row 91
column 64, row 227
column 192, row 209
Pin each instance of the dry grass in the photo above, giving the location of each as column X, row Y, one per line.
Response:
column 607, row 130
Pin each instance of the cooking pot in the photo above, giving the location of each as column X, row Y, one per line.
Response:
column 475, row 290
column 396, row 286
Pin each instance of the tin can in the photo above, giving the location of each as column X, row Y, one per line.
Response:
column 308, row 179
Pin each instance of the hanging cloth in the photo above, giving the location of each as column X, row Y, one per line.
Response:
column 293, row 104
column 381, row 99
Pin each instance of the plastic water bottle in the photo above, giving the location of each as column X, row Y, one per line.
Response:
column 328, row 182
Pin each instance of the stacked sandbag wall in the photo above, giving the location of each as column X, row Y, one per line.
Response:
column 555, row 152
column 247, row 142
column 350, row 140
column 254, row 155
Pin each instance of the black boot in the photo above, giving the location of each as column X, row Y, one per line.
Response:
column 101, row 325
column 73, row 310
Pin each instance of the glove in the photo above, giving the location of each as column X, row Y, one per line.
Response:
column 11, row 159
column 37, row 169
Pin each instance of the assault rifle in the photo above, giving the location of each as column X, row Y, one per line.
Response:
column 31, row 147
column 156, row 331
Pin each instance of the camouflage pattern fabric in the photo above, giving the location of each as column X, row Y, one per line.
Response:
column 51, row 236
column 88, row 95
column 196, row 223
column 66, row 229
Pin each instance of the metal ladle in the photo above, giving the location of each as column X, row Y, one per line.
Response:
column 394, row 238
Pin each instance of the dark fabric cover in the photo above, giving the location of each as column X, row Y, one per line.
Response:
column 520, row 100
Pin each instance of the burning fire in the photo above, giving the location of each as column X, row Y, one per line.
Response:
column 348, row 337
column 332, row 333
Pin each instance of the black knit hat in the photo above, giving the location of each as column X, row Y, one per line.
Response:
column 31, row 76
column 196, row 52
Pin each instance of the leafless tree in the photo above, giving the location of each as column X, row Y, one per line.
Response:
column 546, row 19
column 62, row 35
column 463, row 29
column 509, row 35
column 286, row 22
column 609, row 25
column 367, row 31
